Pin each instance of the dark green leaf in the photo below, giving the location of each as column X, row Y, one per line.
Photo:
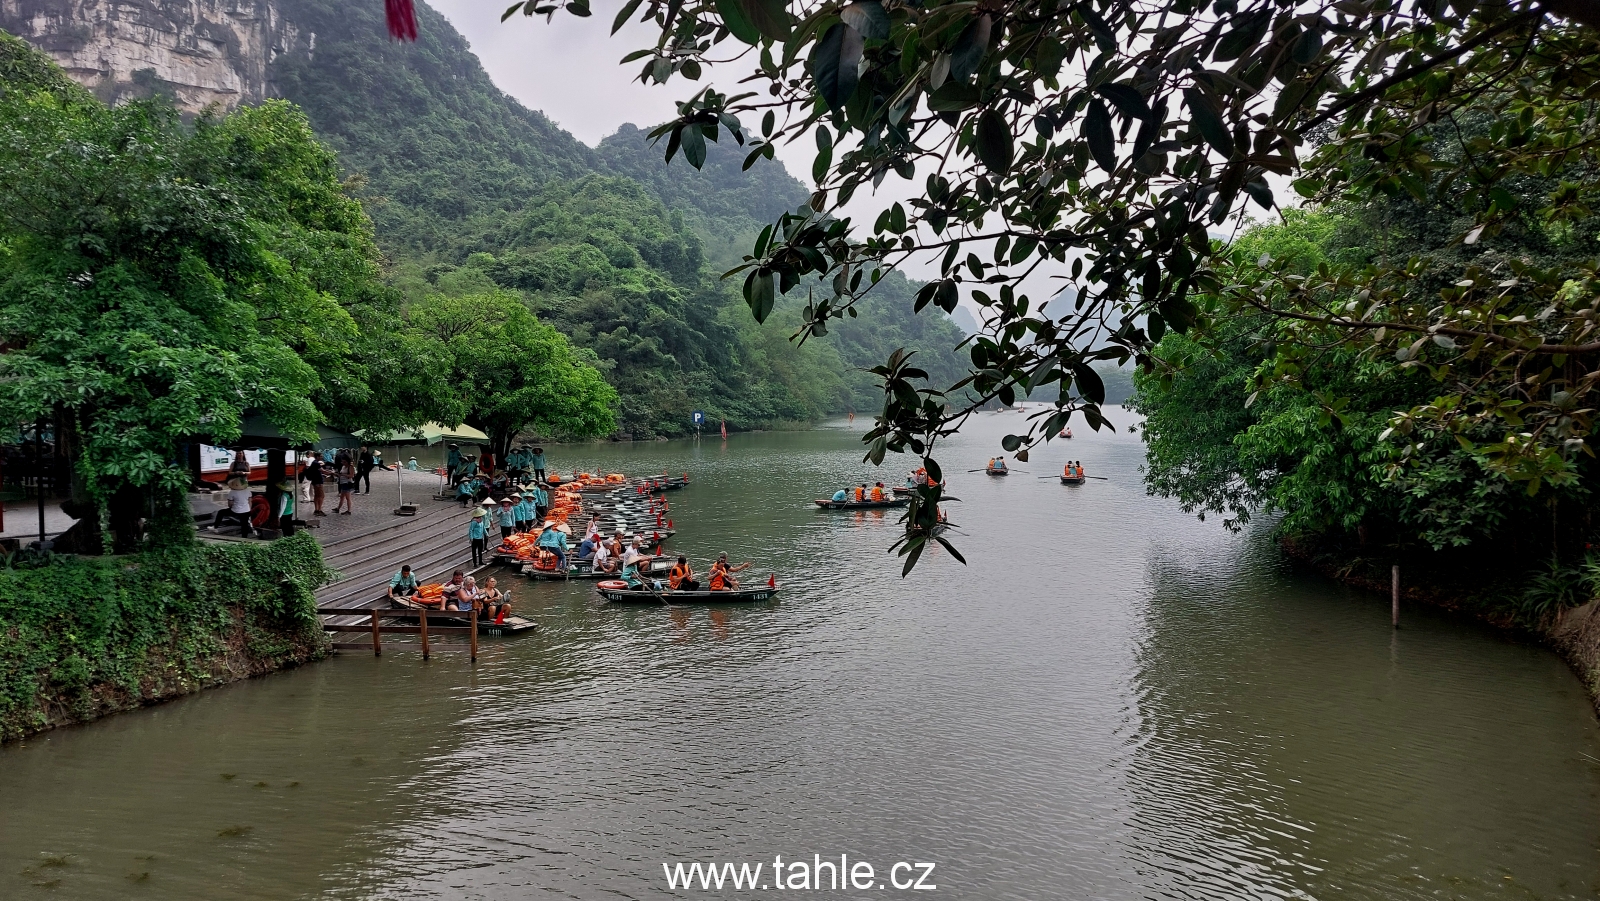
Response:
column 867, row 17
column 993, row 142
column 770, row 17
column 739, row 25
column 1126, row 99
column 1097, row 131
column 694, row 146
column 1208, row 121
column 834, row 61
column 953, row 97
column 1090, row 387
column 624, row 14
column 969, row 48
column 760, row 294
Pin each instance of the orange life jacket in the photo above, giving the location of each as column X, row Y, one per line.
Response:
column 679, row 572
column 719, row 577
column 877, row 493
column 860, row 496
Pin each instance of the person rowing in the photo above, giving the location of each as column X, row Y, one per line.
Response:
column 841, row 496
column 722, row 574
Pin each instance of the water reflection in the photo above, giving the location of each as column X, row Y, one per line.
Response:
column 1110, row 701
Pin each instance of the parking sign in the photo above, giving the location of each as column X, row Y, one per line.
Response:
column 698, row 416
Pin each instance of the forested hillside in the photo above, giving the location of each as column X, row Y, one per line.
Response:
column 469, row 191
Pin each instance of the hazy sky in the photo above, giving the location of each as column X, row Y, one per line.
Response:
column 568, row 69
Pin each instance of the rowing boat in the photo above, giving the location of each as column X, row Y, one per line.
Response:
column 997, row 472
column 584, row 569
column 512, row 626
column 618, row 591
column 1073, row 480
column 827, row 504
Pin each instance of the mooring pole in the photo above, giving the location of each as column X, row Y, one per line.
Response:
column 1394, row 596
column 473, row 629
column 377, row 643
column 424, row 612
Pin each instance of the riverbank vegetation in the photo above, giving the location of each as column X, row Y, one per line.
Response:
column 83, row 637
column 1104, row 141
column 621, row 253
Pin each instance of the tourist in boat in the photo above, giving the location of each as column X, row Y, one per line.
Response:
column 877, row 492
column 536, row 463
column 507, row 517
column 555, row 541
column 403, row 586
column 285, row 511
column 921, row 476
column 452, row 464
column 681, row 577
column 496, row 603
column 604, row 560
column 861, row 493
column 722, row 574
column 478, row 534
column 998, row 464
column 315, row 473
column 467, row 596
column 449, row 590
column 1078, row 465
column 587, row 547
column 841, row 496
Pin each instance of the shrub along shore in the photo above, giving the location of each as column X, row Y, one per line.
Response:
column 83, row 637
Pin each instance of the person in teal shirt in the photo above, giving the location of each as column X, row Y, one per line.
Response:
column 286, row 508
column 507, row 517
column 524, row 512
column 555, row 541
column 841, row 495
column 541, row 503
column 453, row 464
column 478, row 532
column 536, row 463
column 404, row 585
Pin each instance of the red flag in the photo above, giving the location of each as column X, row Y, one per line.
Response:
column 669, row 523
column 402, row 19
column 772, row 580
column 501, row 617
column 724, row 429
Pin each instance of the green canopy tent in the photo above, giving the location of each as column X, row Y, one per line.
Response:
column 429, row 433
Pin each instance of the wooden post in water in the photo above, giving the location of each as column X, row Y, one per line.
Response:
column 424, row 613
column 377, row 644
column 1394, row 601
column 472, row 630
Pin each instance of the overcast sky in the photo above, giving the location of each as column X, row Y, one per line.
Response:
column 568, row 69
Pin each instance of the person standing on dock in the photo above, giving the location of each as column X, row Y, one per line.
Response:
column 364, row 465
column 541, row 505
column 315, row 474
column 536, row 463
column 507, row 517
column 452, row 464
column 285, row 511
column 478, row 533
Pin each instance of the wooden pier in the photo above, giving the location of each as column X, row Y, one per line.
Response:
column 434, row 543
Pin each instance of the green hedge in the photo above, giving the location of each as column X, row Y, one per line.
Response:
column 81, row 637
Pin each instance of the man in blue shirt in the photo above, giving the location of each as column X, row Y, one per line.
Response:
column 507, row 516
column 541, row 503
column 453, row 464
column 536, row 463
column 478, row 533
column 841, row 496
column 403, row 585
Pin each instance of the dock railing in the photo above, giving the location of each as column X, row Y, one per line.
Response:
column 377, row 628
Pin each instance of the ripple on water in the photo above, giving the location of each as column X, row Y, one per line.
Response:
column 1110, row 701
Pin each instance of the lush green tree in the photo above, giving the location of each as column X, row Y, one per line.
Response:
column 158, row 280
column 513, row 373
column 1099, row 140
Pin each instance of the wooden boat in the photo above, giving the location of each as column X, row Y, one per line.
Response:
column 997, row 472
column 618, row 591
column 829, row 504
column 1073, row 480
column 583, row 569
column 512, row 626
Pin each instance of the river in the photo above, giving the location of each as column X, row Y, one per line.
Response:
column 1111, row 701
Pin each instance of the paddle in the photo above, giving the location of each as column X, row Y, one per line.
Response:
column 1101, row 478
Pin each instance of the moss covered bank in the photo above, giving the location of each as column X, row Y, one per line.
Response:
column 82, row 637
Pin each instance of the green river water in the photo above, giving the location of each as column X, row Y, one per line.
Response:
column 1112, row 701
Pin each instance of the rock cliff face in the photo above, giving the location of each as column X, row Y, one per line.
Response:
column 202, row 52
